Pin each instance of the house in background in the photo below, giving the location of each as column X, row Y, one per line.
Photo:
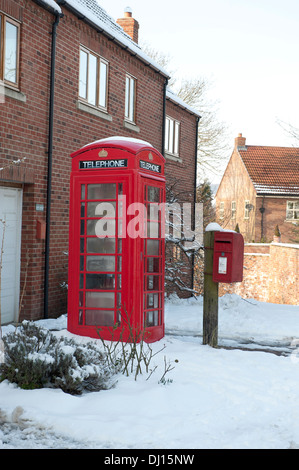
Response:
column 70, row 75
column 260, row 190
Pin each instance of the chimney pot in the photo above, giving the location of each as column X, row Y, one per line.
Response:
column 129, row 24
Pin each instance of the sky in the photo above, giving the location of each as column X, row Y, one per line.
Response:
column 246, row 49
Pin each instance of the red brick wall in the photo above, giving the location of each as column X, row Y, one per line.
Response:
column 24, row 132
column 271, row 274
column 182, row 171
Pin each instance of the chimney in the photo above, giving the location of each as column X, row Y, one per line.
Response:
column 240, row 142
column 129, row 24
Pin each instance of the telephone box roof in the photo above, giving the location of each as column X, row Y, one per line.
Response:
column 125, row 143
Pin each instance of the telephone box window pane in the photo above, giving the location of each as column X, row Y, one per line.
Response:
column 152, row 300
column 152, row 318
column 81, row 245
column 153, row 194
column 100, row 245
column 11, row 45
column 83, row 209
column 99, row 317
column 81, row 281
column 100, row 281
column 101, row 228
column 153, row 211
column 80, row 317
column 100, row 263
column 152, row 283
column 100, row 299
column 82, row 227
column 102, row 191
column 82, row 191
column 153, row 265
column 81, row 263
column 152, row 247
column 153, row 229
column 101, row 209
column 119, row 245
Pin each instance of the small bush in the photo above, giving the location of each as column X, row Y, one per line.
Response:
column 35, row 358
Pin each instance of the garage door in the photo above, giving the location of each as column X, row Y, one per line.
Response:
column 11, row 212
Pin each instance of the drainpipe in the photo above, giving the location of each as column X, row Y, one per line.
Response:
column 50, row 157
column 195, row 198
column 262, row 210
column 164, row 116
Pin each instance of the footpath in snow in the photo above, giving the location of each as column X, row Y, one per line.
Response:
column 237, row 396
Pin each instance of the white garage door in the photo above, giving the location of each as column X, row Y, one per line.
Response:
column 11, row 212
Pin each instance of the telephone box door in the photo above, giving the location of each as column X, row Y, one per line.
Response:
column 153, row 255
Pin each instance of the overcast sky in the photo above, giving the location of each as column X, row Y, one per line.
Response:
column 248, row 49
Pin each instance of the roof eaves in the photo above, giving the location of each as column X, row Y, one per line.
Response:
column 171, row 96
column 85, row 14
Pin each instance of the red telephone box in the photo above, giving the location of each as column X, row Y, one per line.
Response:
column 116, row 240
column 228, row 257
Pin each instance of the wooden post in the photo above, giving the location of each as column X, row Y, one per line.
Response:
column 210, row 303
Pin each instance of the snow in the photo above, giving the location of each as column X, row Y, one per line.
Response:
column 242, row 395
column 120, row 138
column 95, row 13
column 214, row 227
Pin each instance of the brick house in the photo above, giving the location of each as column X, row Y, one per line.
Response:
column 260, row 190
column 69, row 75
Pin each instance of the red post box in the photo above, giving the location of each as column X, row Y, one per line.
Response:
column 116, row 240
column 228, row 257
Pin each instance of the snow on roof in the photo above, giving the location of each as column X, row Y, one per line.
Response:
column 52, row 4
column 123, row 139
column 173, row 97
column 95, row 14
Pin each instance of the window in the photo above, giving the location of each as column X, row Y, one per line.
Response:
column 246, row 209
column 221, row 210
column 234, row 209
column 93, row 79
column 172, row 134
column 130, row 98
column 292, row 210
column 9, row 50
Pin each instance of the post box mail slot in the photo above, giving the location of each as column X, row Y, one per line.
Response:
column 228, row 257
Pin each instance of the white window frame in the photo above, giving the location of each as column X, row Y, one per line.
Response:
column 234, row 209
column 292, row 210
column 221, row 210
column 4, row 20
column 130, row 98
column 172, row 136
column 93, row 88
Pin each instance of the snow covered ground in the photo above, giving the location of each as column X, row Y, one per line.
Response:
column 243, row 395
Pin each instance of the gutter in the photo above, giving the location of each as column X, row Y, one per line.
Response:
column 50, row 159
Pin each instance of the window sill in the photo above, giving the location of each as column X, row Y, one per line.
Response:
column 14, row 93
column 131, row 126
column 174, row 158
column 93, row 110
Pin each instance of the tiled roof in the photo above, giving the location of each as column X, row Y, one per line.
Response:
column 273, row 170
